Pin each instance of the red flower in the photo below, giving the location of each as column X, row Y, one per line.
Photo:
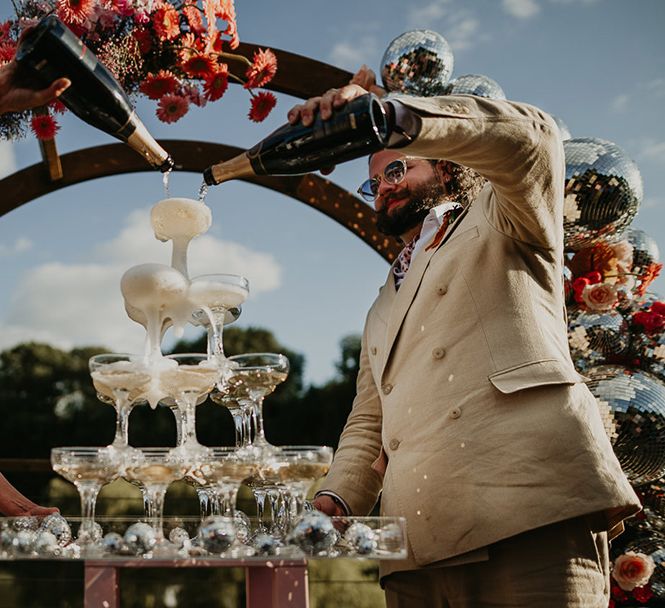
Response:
column 199, row 66
column 44, row 126
column 658, row 308
column 58, row 107
column 594, row 277
column 578, row 288
column 166, row 22
column 172, row 108
column 75, row 11
column 215, row 85
column 191, row 11
column 7, row 51
column 157, row 85
column 649, row 320
column 262, row 104
column 144, row 39
column 618, row 593
column 643, row 594
column 262, row 70
column 5, row 31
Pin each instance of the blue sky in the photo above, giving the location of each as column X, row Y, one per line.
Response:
column 597, row 64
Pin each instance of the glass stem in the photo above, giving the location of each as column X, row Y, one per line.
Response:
column 177, row 413
column 260, row 498
column 257, row 413
column 239, row 424
column 156, row 496
column 204, row 501
column 124, row 409
column 88, row 494
column 188, row 410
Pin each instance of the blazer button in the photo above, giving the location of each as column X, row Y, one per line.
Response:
column 439, row 353
column 373, row 350
column 387, row 389
column 394, row 444
column 455, row 413
column 442, row 291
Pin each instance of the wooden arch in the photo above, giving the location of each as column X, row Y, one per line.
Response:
column 297, row 75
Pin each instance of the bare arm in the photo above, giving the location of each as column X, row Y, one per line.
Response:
column 14, row 504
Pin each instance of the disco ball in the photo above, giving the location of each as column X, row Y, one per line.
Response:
column 563, row 128
column 417, row 62
column 632, row 405
column 645, row 249
column 475, row 84
column 603, row 191
column 596, row 338
column 653, row 545
column 650, row 350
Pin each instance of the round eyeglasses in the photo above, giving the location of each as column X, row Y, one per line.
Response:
column 394, row 173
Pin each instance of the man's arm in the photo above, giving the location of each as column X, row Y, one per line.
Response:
column 351, row 476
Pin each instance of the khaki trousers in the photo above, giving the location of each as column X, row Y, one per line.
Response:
column 563, row 565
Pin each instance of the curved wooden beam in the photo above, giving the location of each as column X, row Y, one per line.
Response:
column 194, row 156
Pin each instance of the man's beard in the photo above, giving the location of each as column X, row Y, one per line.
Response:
column 421, row 200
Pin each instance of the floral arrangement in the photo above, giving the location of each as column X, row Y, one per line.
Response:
column 602, row 277
column 630, row 579
column 176, row 52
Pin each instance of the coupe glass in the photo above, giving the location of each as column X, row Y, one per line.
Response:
column 300, row 467
column 250, row 378
column 154, row 469
column 122, row 380
column 187, row 385
column 88, row 468
column 217, row 299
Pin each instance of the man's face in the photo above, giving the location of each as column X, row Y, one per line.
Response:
column 401, row 207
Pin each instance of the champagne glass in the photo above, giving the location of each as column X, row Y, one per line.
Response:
column 154, row 469
column 88, row 468
column 251, row 377
column 217, row 300
column 193, row 378
column 301, row 466
column 122, row 380
column 241, row 412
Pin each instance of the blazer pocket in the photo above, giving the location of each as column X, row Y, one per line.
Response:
column 533, row 374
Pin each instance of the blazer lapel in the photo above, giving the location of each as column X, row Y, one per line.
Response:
column 404, row 297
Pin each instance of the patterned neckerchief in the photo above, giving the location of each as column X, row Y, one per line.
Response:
column 404, row 261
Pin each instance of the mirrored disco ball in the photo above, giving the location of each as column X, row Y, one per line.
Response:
column 652, row 545
column 475, row 84
column 596, row 338
column 645, row 249
column 603, row 191
column 563, row 128
column 649, row 349
column 632, row 405
column 417, row 62
column 652, row 496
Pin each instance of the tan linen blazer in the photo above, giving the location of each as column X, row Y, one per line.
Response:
column 469, row 414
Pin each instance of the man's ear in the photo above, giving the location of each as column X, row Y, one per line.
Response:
column 442, row 171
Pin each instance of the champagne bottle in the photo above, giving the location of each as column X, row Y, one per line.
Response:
column 50, row 51
column 357, row 129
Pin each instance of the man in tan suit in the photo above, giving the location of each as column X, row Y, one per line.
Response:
column 469, row 415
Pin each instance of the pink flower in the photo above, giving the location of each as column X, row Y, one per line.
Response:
column 623, row 251
column 632, row 570
column 600, row 296
column 172, row 108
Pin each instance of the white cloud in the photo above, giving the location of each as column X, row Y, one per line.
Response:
column 620, row 103
column 7, row 159
column 459, row 26
column 656, row 87
column 521, row 9
column 81, row 304
column 351, row 54
column 653, row 150
column 20, row 245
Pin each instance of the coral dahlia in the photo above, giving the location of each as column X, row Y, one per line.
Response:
column 262, row 70
column 262, row 104
column 172, row 108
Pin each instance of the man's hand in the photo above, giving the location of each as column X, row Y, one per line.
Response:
column 327, row 505
column 324, row 104
column 14, row 98
column 366, row 78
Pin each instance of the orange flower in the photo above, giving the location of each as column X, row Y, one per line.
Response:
column 262, row 70
column 44, row 126
column 75, row 11
column 262, row 104
column 215, row 84
column 647, row 277
column 199, row 66
column 600, row 257
column 191, row 11
column 172, row 108
column 227, row 12
column 166, row 22
column 157, row 85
